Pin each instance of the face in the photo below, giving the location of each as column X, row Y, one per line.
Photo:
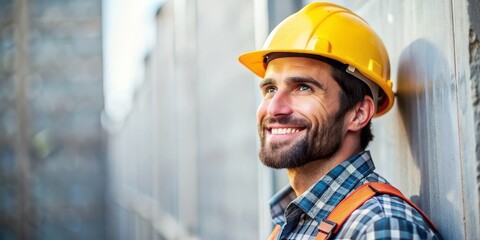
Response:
column 297, row 119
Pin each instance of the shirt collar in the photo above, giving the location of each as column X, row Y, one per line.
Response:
column 320, row 199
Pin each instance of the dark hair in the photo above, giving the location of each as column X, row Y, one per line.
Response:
column 353, row 92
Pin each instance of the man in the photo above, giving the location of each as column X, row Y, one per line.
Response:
column 325, row 75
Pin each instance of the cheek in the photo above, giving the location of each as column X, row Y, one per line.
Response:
column 262, row 111
column 314, row 110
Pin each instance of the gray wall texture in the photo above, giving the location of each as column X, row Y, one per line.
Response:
column 184, row 163
column 51, row 141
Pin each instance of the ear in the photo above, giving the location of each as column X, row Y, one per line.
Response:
column 361, row 114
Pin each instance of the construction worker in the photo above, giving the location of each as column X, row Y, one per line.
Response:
column 325, row 74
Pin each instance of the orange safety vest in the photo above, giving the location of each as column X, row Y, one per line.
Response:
column 333, row 223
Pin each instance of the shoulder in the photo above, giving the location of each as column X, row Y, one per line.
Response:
column 386, row 216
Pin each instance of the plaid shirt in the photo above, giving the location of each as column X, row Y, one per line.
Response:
column 381, row 217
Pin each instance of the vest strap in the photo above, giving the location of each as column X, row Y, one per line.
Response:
column 330, row 226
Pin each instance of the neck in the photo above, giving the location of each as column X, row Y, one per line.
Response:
column 303, row 177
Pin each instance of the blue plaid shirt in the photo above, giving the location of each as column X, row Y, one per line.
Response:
column 381, row 217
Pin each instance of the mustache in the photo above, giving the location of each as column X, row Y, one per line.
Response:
column 285, row 120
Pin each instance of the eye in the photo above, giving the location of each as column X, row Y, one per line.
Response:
column 269, row 89
column 304, row 88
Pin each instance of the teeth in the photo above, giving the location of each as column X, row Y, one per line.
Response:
column 281, row 131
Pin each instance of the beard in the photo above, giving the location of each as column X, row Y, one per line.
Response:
column 319, row 142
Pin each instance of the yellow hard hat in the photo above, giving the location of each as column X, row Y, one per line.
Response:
column 331, row 31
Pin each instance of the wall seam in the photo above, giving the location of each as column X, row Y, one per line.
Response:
column 459, row 127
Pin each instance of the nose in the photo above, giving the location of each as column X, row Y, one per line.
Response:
column 280, row 104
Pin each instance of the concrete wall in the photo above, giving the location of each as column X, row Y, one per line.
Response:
column 472, row 188
column 184, row 163
column 227, row 159
column 52, row 172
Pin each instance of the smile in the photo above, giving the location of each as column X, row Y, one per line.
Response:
column 283, row 131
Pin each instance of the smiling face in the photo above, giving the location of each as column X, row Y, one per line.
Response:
column 297, row 119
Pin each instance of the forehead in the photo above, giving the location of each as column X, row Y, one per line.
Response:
column 297, row 67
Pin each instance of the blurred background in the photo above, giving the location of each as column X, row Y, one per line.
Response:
column 123, row 119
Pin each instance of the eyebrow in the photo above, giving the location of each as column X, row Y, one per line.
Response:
column 310, row 80
column 266, row 81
